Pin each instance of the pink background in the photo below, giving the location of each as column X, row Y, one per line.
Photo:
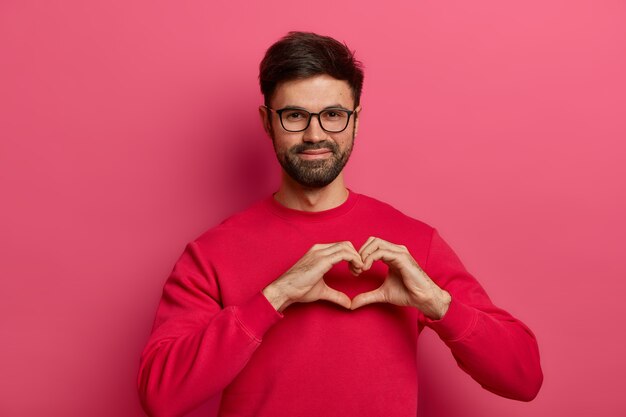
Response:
column 130, row 127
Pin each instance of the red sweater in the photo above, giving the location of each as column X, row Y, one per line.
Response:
column 215, row 331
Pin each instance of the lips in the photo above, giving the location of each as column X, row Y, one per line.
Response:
column 316, row 151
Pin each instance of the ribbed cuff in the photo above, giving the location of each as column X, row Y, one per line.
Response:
column 257, row 315
column 457, row 323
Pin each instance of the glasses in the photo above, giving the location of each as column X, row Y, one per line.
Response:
column 332, row 120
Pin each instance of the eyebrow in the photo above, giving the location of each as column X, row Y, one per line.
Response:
column 332, row 106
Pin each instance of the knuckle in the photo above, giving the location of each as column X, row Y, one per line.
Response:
column 333, row 258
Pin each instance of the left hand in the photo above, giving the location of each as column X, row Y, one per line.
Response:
column 406, row 283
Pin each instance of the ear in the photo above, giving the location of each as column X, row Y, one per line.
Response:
column 357, row 112
column 265, row 115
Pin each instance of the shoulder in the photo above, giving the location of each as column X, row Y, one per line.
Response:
column 253, row 217
column 387, row 212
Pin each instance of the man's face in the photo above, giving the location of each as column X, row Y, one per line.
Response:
column 299, row 152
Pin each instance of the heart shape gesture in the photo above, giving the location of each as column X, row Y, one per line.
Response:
column 406, row 284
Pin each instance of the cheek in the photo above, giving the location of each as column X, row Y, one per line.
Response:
column 346, row 140
column 284, row 142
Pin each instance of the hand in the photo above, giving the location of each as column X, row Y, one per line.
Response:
column 304, row 281
column 406, row 283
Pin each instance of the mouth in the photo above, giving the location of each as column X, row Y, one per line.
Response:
column 315, row 154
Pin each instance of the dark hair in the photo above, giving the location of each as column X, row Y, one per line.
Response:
column 301, row 55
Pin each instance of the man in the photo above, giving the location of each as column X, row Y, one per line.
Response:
column 310, row 302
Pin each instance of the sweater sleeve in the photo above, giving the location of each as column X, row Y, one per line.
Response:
column 493, row 347
column 197, row 347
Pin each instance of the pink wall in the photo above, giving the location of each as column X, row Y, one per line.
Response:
column 129, row 127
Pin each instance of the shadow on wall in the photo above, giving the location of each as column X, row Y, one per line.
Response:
column 240, row 163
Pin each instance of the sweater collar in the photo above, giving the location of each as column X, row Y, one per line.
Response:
column 312, row 216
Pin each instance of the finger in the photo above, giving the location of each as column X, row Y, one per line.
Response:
column 388, row 256
column 374, row 296
column 322, row 246
column 330, row 248
column 334, row 296
column 350, row 245
column 344, row 252
column 374, row 244
column 340, row 245
column 355, row 268
column 365, row 245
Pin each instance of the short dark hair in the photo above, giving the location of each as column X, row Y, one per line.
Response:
column 300, row 55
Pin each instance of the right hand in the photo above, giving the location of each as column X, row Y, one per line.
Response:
column 304, row 282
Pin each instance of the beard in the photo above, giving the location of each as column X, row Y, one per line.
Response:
column 314, row 173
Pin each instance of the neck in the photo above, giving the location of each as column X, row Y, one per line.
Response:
column 295, row 196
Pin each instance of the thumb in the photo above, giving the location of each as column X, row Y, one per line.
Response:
column 374, row 296
column 334, row 296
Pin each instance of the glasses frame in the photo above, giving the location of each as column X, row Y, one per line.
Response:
column 280, row 117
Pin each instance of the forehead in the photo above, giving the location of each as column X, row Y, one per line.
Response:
column 314, row 93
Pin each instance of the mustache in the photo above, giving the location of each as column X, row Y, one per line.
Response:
column 302, row 147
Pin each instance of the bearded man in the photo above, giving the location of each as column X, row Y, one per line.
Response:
column 310, row 302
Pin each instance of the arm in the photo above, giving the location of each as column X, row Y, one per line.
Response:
column 489, row 344
column 197, row 347
column 493, row 347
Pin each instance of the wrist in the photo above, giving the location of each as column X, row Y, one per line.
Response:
column 276, row 297
column 438, row 307
column 446, row 299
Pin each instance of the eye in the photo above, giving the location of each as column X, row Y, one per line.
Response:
column 294, row 115
column 334, row 114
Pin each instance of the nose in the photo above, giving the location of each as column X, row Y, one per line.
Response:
column 314, row 132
